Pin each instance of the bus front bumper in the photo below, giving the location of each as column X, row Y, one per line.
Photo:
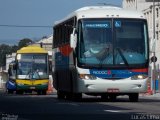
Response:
column 32, row 84
column 32, row 87
column 112, row 86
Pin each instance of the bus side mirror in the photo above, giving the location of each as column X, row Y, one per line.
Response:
column 73, row 39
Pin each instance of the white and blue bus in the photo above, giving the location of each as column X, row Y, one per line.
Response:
column 102, row 51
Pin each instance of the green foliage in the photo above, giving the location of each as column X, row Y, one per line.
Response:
column 24, row 42
column 6, row 49
column 14, row 48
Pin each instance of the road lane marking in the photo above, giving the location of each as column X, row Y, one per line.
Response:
column 73, row 104
column 113, row 111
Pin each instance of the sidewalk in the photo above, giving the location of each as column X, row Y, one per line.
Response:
column 2, row 91
column 154, row 96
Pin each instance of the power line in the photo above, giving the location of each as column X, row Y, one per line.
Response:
column 27, row 26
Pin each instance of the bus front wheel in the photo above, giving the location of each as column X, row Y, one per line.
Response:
column 42, row 92
column 133, row 97
column 19, row 92
column 10, row 91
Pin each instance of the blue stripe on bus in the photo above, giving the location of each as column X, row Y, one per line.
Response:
column 114, row 73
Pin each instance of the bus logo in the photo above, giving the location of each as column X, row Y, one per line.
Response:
column 102, row 72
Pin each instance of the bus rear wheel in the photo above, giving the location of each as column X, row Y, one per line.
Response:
column 60, row 94
column 133, row 97
column 112, row 98
column 104, row 97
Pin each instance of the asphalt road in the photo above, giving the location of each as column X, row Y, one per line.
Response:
column 48, row 107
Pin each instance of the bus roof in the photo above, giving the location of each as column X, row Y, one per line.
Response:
column 32, row 49
column 103, row 12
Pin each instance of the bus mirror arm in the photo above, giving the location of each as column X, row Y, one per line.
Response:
column 73, row 39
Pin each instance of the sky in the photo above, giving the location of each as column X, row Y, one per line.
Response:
column 37, row 13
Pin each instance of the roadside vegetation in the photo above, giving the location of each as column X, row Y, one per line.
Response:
column 9, row 49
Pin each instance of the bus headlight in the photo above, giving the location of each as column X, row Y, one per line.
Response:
column 139, row 77
column 87, row 76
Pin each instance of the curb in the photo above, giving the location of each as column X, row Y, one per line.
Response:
column 155, row 96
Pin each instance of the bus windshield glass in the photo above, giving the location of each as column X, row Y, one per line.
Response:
column 32, row 66
column 112, row 42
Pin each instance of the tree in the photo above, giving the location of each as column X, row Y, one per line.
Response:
column 14, row 48
column 44, row 37
column 4, row 49
column 24, row 42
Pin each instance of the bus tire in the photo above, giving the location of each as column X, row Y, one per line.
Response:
column 104, row 97
column 60, row 95
column 10, row 91
column 133, row 97
column 39, row 92
column 19, row 92
column 77, row 96
column 44, row 92
column 112, row 98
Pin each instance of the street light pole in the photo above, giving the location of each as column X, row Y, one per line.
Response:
column 154, row 62
column 153, row 19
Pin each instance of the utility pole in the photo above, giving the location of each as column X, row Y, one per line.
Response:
column 154, row 62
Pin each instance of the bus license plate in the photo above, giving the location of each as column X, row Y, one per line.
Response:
column 32, row 88
column 112, row 90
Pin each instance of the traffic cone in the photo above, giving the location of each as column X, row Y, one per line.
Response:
column 149, row 91
column 50, row 88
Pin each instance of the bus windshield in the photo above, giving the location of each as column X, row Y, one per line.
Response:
column 32, row 66
column 112, row 42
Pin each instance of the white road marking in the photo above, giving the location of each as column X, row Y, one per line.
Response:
column 113, row 111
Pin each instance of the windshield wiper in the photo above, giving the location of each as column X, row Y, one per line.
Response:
column 121, row 54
